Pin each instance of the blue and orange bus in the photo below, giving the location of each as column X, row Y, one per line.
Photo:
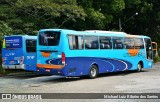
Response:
column 77, row 53
column 19, row 52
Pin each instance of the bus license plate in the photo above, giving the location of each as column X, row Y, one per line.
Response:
column 11, row 62
column 47, row 70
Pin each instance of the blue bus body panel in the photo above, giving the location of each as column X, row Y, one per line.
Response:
column 77, row 66
column 30, row 57
column 30, row 61
column 12, row 56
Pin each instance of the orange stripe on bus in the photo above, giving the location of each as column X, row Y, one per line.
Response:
column 50, row 66
column 46, row 54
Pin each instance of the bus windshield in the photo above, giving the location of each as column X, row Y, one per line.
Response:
column 49, row 38
column 12, row 42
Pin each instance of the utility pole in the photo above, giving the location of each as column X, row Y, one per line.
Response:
column 120, row 23
column 120, row 26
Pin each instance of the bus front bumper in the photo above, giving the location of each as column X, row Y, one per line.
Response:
column 22, row 66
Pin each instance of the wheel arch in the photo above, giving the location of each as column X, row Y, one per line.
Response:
column 142, row 64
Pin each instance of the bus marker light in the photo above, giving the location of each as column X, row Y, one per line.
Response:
column 2, row 60
column 63, row 58
column 59, row 56
column 21, row 59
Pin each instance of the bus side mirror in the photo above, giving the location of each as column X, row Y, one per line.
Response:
column 150, row 47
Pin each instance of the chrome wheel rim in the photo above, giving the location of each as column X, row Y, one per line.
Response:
column 93, row 72
column 139, row 67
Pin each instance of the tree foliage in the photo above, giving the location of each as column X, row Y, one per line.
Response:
column 23, row 16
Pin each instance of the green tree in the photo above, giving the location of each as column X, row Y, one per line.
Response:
column 147, row 22
column 100, row 13
column 27, row 16
column 5, row 30
column 48, row 13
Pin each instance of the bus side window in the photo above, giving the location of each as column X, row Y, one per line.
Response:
column 30, row 45
column 117, row 43
column 139, row 44
column 91, row 42
column 105, row 42
column 75, row 42
column 129, row 43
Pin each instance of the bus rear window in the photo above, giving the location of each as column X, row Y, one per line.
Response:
column 49, row 38
column 13, row 42
column 31, row 45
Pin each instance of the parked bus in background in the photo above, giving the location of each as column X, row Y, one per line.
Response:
column 78, row 53
column 19, row 52
column 155, row 49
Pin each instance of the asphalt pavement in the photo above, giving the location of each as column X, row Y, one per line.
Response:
column 147, row 81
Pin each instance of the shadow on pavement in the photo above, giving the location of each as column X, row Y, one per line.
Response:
column 54, row 78
column 22, row 75
column 68, row 79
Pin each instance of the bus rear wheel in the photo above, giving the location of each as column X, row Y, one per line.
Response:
column 93, row 72
column 139, row 67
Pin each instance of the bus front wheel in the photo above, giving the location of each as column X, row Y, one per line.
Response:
column 139, row 67
column 93, row 72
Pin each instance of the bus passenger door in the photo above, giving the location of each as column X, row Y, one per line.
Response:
column 148, row 48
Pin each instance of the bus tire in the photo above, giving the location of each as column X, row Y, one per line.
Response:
column 139, row 67
column 93, row 72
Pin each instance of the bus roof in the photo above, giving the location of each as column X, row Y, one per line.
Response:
column 95, row 32
column 104, row 32
column 25, row 36
column 56, row 30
